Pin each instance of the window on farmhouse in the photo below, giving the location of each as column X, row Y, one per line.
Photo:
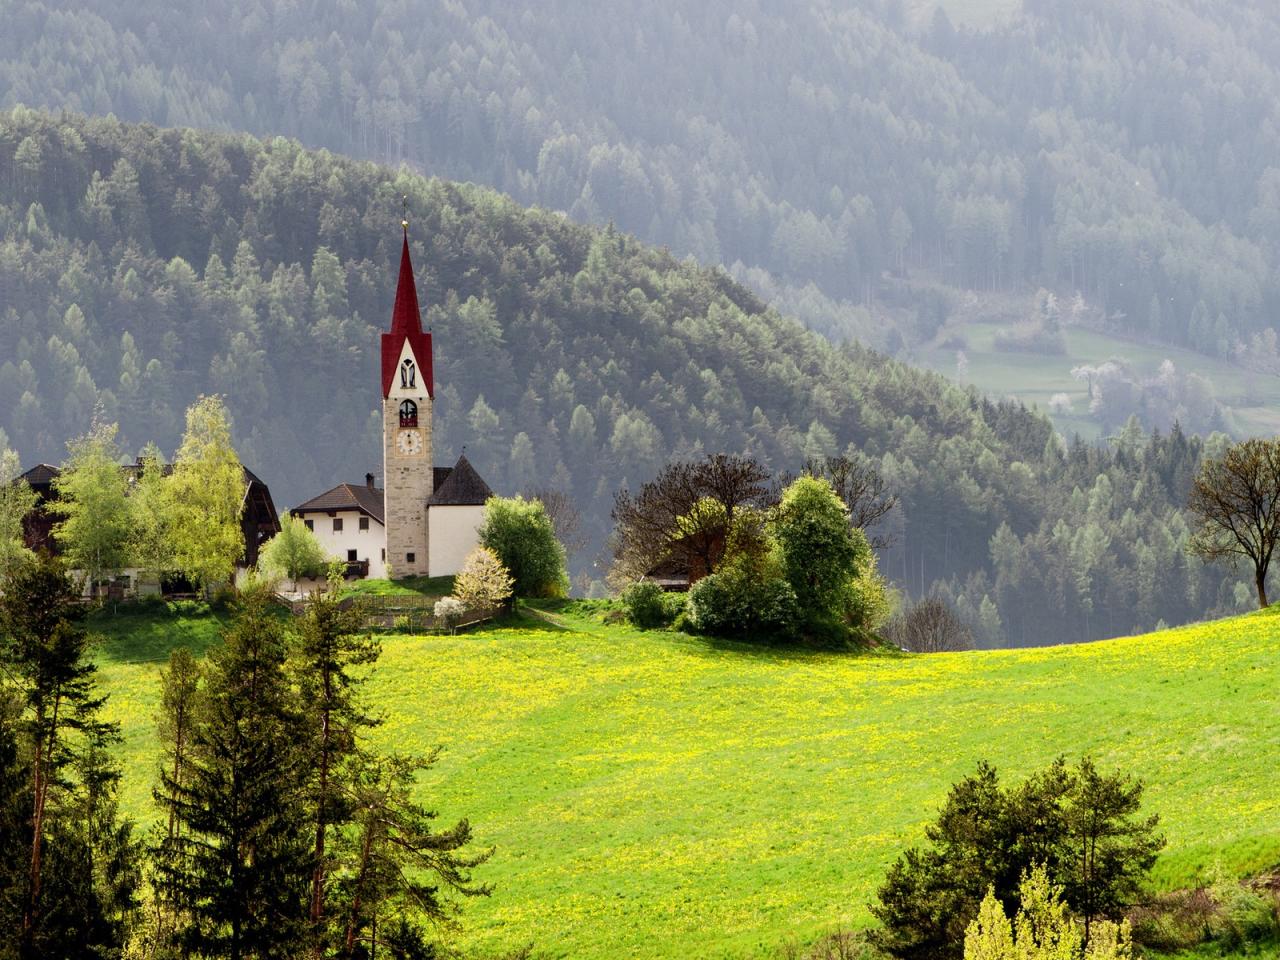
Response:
column 364, row 523
column 337, row 525
column 351, row 556
column 309, row 524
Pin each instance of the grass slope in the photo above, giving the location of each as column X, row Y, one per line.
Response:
column 1254, row 398
column 651, row 795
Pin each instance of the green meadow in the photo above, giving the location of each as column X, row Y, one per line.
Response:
column 653, row 795
column 1254, row 398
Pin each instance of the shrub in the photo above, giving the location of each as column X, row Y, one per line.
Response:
column 450, row 611
column 1243, row 917
column 523, row 537
column 930, row 626
column 732, row 603
column 1044, row 928
column 643, row 603
column 673, row 606
column 402, row 623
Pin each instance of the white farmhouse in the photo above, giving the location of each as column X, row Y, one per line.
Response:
column 425, row 519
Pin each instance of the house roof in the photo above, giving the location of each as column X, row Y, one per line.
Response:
column 42, row 474
column 406, row 324
column 346, row 496
column 462, row 487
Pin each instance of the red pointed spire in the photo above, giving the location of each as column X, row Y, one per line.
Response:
column 405, row 316
column 406, row 324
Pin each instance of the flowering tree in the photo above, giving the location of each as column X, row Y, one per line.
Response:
column 483, row 583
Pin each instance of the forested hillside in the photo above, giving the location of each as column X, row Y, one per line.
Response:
column 140, row 268
column 861, row 162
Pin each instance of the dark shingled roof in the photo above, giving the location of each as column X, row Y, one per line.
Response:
column 42, row 474
column 346, row 496
column 461, row 488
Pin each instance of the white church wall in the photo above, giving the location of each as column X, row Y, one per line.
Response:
column 453, row 533
column 368, row 544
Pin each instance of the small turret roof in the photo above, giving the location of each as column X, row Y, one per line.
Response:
column 461, row 488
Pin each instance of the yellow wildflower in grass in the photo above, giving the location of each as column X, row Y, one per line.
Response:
column 651, row 795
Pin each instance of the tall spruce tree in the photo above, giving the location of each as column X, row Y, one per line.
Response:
column 238, row 864
column 180, row 701
column 329, row 644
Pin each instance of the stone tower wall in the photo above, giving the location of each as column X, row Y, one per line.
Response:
column 407, row 482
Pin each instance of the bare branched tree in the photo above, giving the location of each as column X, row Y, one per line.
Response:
column 930, row 626
column 1237, row 501
column 683, row 514
column 565, row 518
column 863, row 490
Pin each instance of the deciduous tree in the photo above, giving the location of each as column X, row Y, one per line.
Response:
column 1236, row 499
column 483, row 583
column 207, row 493
column 521, row 534
column 294, row 552
column 92, row 501
column 667, row 518
column 17, row 500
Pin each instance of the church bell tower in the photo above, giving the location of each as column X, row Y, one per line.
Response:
column 407, row 392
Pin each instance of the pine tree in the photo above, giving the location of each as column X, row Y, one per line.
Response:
column 238, row 864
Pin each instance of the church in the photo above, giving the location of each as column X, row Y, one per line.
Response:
column 425, row 519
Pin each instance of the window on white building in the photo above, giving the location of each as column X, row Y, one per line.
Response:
column 337, row 524
column 309, row 524
column 364, row 523
column 408, row 375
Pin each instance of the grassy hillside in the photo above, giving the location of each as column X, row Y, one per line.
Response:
column 1253, row 397
column 651, row 795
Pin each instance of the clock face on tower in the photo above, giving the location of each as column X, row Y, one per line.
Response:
column 409, row 442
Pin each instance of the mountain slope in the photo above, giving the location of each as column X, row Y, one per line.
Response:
column 140, row 268
column 1121, row 149
column 653, row 796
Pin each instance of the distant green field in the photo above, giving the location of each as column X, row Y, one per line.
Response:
column 653, row 795
column 1253, row 397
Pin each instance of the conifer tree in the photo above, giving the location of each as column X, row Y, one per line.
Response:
column 396, row 859
column 78, row 860
column 180, row 704
column 329, row 645
column 237, row 865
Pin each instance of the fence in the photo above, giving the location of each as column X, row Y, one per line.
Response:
column 401, row 611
